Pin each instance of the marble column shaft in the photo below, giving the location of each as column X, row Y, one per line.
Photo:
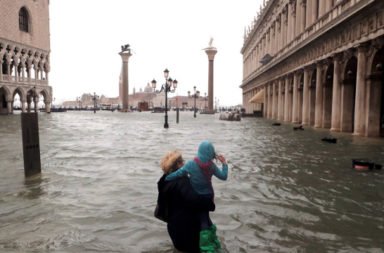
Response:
column 336, row 95
column 359, row 123
column 306, row 105
column 286, row 104
column 319, row 97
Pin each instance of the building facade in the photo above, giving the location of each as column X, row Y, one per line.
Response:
column 24, row 54
column 317, row 63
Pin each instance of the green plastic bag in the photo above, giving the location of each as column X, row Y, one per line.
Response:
column 209, row 243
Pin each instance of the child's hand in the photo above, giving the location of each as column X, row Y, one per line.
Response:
column 221, row 158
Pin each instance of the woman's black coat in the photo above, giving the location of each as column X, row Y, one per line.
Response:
column 180, row 205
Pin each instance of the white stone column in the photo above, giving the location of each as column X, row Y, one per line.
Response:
column 336, row 95
column 279, row 102
column 211, row 52
column 265, row 107
column 274, row 101
column 298, row 17
column 293, row 24
column 285, row 27
column 374, row 91
column 359, row 125
column 290, row 25
column 285, row 80
column 47, row 107
column 314, row 11
column 306, row 105
column 9, row 107
column 15, row 64
column 303, row 22
column 23, row 105
column 322, row 6
column 319, row 96
column 295, row 99
column 279, row 33
column 270, row 101
column 328, row 5
column 125, row 81
column 308, row 14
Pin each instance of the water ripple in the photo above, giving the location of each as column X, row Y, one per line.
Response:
column 287, row 191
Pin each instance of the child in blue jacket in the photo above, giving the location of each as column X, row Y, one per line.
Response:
column 200, row 171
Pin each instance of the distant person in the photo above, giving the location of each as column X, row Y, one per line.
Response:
column 200, row 171
column 180, row 206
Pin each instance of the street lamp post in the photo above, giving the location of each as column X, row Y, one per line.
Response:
column 169, row 86
column 205, row 101
column 94, row 98
column 195, row 95
column 79, row 102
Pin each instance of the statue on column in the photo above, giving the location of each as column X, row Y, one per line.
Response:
column 125, row 48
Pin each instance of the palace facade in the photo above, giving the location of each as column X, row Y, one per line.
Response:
column 317, row 63
column 24, row 54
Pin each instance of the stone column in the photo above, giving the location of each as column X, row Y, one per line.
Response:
column 47, row 106
column 374, row 91
column 279, row 102
column 319, row 96
column 29, row 68
column 328, row 5
column 270, row 102
column 306, row 105
column 314, row 11
column 23, row 106
column 359, row 125
column 295, row 98
column 290, row 24
column 322, row 6
column 273, row 101
column 125, row 81
column 286, row 104
column 303, row 19
column 299, row 14
column 265, row 107
column 15, row 64
column 283, row 27
column 336, row 95
column 211, row 52
column 293, row 24
column 9, row 107
column 279, row 32
column 308, row 14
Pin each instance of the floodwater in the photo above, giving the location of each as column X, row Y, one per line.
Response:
column 287, row 191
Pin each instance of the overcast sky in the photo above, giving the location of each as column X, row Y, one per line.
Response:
column 86, row 37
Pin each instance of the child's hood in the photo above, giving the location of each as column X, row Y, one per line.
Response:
column 206, row 151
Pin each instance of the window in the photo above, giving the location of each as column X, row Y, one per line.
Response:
column 23, row 20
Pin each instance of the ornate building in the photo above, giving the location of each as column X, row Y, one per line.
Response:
column 24, row 54
column 317, row 63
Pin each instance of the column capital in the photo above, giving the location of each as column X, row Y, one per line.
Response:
column 211, row 52
column 125, row 55
column 362, row 47
column 309, row 67
column 337, row 56
column 378, row 43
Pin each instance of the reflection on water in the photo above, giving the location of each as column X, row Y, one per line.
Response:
column 287, row 191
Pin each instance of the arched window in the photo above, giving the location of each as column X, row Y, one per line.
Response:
column 23, row 20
